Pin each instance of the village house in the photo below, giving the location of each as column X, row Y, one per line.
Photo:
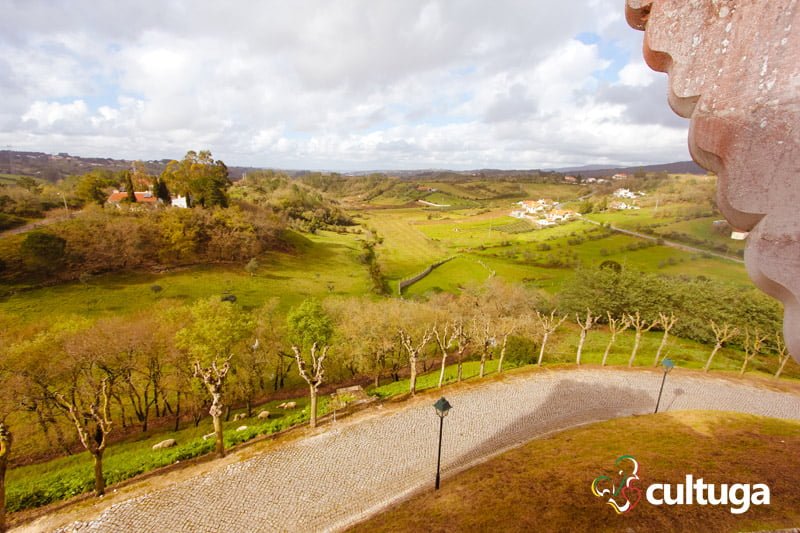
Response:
column 624, row 193
column 570, row 179
column 622, row 206
column 560, row 215
column 143, row 197
column 620, row 176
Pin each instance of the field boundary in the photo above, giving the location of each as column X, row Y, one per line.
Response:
column 404, row 284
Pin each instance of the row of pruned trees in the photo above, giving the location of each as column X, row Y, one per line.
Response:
column 186, row 362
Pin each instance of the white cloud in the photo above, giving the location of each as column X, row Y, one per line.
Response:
column 351, row 84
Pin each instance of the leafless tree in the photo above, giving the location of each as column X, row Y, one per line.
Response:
column 483, row 334
column 88, row 409
column 314, row 376
column 549, row 325
column 508, row 325
column 753, row 342
column 666, row 322
column 783, row 353
column 640, row 325
column 444, row 339
column 213, row 378
column 615, row 326
column 723, row 334
column 413, row 349
column 585, row 326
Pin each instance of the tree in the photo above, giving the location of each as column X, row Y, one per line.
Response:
column 549, row 325
column 216, row 330
column 783, row 353
column 127, row 179
column 310, row 331
column 723, row 334
column 199, row 176
column 507, row 326
column 615, row 326
column 413, row 348
column 753, row 340
column 42, row 250
column 667, row 322
column 94, row 186
column 585, row 326
column 444, row 339
column 640, row 325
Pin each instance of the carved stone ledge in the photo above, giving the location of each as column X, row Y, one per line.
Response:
column 734, row 70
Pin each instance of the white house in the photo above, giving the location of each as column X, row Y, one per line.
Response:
column 180, row 201
column 624, row 193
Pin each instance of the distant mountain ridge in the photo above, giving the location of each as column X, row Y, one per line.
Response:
column 54, row 167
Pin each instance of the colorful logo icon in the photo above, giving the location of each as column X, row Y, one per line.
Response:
column 624, row 495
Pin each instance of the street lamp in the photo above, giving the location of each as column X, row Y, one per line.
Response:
column 442, row 407
column 668, row 365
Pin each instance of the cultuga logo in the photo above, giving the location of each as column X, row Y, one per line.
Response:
column 622, row 496
column 622, row 493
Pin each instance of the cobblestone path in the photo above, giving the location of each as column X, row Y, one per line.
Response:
column 352, row 469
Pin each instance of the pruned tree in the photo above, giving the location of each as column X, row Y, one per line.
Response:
column 483, row 334
column 549, row 325
column 753, row 341
column 216, row 330
column 310, row 332
column 87, row 407
column 507, row 326
column 782, row 352
column 463, row 340
column 723, row 333
column 667, row 323
column 640, row 325
column 413, row 349
column 615, row 326
column 444, row 339
column 585, row 326
column 312, row 376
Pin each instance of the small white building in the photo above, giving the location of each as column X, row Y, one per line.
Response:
column 624, row 193
column 180, row 201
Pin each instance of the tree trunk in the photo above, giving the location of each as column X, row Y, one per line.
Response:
column 635, row 348
column 178, row 411
column 99, row 481
column 660, row 348
column 710, row 357
column 412, row 378
column 5, row 450
column 459, row 368
column 312, row 408
column 580, row 346
column 220, row 448
column 780, row 368
column 608, row 349
column 502, row 355
column 441, row 374
column 377, row 380
column 483, row 364
column 541, row 350
column 744, row 365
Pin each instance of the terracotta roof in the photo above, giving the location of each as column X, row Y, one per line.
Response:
column 141, row 197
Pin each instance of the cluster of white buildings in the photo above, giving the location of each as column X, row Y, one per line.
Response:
column 542, row 212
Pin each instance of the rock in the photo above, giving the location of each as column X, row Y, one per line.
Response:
column 169, row 443
column 263, row 415
column 241, row 428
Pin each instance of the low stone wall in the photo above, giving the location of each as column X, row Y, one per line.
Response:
column 404, row 284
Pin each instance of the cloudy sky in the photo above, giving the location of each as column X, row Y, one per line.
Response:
column 335, row 84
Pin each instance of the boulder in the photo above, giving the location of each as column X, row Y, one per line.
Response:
column 169, row 443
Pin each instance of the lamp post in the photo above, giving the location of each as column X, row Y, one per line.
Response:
column 668, row 365
column 442, row 407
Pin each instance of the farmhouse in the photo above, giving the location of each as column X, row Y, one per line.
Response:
column 144, row 197
column 624, row 193
column 570, row 179
column 560, row 215
column 621, row 206
column 620, row 176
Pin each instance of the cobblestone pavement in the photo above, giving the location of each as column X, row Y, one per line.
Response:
column 350, row 470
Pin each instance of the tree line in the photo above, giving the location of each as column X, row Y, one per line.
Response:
column 185, row 362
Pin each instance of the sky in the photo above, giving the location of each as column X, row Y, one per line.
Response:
column 344, row 85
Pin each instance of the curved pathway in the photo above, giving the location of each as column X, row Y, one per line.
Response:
column 350, row 470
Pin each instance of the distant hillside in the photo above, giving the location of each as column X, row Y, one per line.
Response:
column 54, row 167
column 595, row 171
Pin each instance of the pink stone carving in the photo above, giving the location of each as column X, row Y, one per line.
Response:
column 734, row 70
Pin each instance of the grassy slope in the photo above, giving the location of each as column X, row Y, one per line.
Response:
column 319, row 262
column 545, row 484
